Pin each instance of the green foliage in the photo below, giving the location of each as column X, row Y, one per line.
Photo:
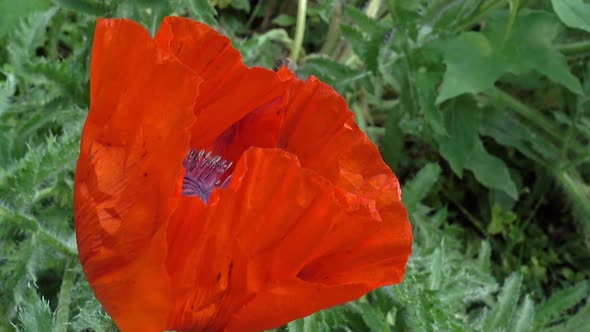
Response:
column 574, row 13
column 476, row 60
column 480, row 106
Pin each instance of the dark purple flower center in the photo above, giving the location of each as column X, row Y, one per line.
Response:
column 203, row 172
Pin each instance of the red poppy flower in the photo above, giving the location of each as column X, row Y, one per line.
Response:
column 213, row 197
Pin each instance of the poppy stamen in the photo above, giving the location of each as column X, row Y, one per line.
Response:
column 203, row 172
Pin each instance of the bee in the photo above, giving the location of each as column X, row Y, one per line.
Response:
column 291, row 65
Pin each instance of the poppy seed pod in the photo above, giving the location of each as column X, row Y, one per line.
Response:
column 214, row 197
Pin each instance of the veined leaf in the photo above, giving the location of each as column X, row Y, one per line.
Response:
column 573, row 13
column 490, row 170
column 476, row 60
column 462, row 120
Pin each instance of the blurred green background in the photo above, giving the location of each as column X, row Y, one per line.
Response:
column 481, row 107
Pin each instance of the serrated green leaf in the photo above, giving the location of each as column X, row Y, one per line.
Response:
column 476, row 60
column 203, row 11
column 574, row 322
column 364, row 23
column 93, row 7
column 436, row 273
column 7, row 89
column 562, row 300
column 34, row 313
column 484, row 258
column 30, row 34
column 573, row 13
column 373, row 318
column 524, row 319
column 12, row 11
column 501, row 314
column 415, row 190
column 365, row 35
column 338, row 75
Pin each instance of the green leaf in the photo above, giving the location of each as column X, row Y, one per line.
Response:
column 30, row 34
column 203, row 11
column 365, row 35
column 393, row 141
column 426, row 84
column 573, row 13
column 501, row 219
column 525, row 316
column 530, row 47
column 490, row 171
column 436, row 269
column 284, row 20
column 561, row 301
column 507, row 130
column 338, row 75
column 484, row 257
column 415, row 190
column 573, row 323
column 7, row 89
column 243, row 5
column 93, row 7
column 373, row 318
column 462, row 120
column 473, row 65
column 12, row 11
column 476, row 60
column 500, row 316
column 34, row 313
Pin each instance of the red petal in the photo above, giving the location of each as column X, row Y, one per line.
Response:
column 131, row 154
column 230, row 90
column 256, row 245
column 322, row 132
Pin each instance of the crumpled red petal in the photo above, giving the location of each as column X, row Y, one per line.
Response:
column 312, row 216
column 322, row 132
column 126, row 173
column 255, row 247
column 230, row 90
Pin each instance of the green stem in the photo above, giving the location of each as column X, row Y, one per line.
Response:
column 54, row 34
column 62, row 315
column 299, row 29
column 482, row 12
column 254, row 13
column 333, row 31
column 474, row 221
column 575, row 49
column 373, row 8
column 526, row 112
column 538, row 120
column 392, row 9
column 33, row 226
column 511, row 19
column 375, row 131
column 348, row 56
